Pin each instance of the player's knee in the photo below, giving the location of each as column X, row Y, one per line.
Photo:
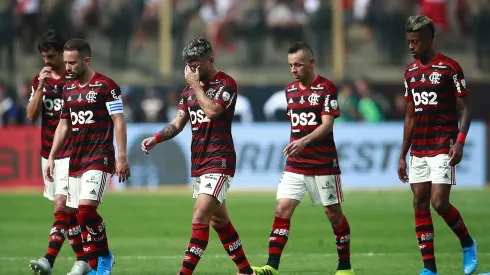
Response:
column 218, row 221
column 201, row 216
column 334, row 214
column 421, row 202
column 440, row 206
column 60, row 204
column 284, row 210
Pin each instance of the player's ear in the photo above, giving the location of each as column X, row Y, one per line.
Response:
column 86, row 59
column 211, row 59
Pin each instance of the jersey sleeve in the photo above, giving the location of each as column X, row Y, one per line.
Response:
column 408, row 95
column 226, row 96
column 34, row 84
column 459, row 81
column 113, row 99
column 330, row 104
column 288, row 110
column 183, row 103
column 65, row 111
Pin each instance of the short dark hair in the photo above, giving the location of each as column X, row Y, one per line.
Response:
column 51, row 40
column 80, row 45
column 298, row 46
column 419, row 23
column 197, row 48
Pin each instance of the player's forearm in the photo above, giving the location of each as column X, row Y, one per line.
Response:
column 35, row 105
column 168, row 132
column 121, row 137
column 59, row 137
column 210, row 108
column 407, row 136
column 319, row 133
column 465, row 115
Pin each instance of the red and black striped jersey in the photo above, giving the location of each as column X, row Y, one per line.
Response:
column 90, row 109
column 50, row 113
column 305, row 110
column 433, row 89
column 212, row 148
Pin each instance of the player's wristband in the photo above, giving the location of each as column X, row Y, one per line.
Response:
column 461, row 138
column 158, row 137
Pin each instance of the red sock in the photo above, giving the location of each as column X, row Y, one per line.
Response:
column 342, row 240
column 425, row 235
column 75, row 237
column 197, row 245
column 233, row 245
column 455, row 222
column 277, row 240
column 88, row 247
column 57, row 235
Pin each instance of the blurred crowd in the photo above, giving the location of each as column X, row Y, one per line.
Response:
column 134, row 24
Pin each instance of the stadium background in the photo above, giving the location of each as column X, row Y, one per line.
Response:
column 358, row 43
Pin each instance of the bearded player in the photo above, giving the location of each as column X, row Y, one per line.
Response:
column 46, row 100
column 312, row 164
column 436, row 96
column 92, row 112
column 208, row 101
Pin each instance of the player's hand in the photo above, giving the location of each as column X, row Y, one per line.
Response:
column 455, row 154
column 294, row 148
column 45, row 74
column 49, row 170
column 402, row 170
column 192, row 77
column 122, row 169
column 148, row 143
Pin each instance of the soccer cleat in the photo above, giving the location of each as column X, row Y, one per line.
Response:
column 427, row 272
column 105, row 264
column 40, row 267
column 265, row 270
column 345, row 272
column 92, row 272
column 470, row 262
column 80, row 268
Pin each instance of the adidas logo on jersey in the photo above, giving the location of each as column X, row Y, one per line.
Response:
column 189, row 98
column 412, row 80
column 290, row 101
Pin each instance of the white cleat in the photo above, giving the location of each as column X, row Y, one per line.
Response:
column 80, row 268
column 40, row 267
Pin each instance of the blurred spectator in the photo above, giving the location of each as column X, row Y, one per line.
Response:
column 29, row 11
column 252, row 29
column 347, row 103
column 285, row 19
column 56, row 16
column 7, row 31
column 367, row 107
column 172, row 102
column 6, row 105
column 275, row 107
column 82, row 13
column 152, row 106
column 218, row 14
column 363, row 87
column 183, row 12
column 319, row 13
column 243, row 110
column 480, row 25
column 118, row 26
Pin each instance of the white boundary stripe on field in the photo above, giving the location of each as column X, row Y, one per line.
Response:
column 224, row 256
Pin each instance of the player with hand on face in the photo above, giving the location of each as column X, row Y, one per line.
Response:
column 92, row 112
column 208, row 101
column 437, row 97
column 46, row 100
column 312, row 164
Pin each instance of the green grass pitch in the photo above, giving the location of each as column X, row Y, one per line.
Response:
column 148, row 233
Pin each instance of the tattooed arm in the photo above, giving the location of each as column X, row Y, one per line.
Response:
column 168, row 132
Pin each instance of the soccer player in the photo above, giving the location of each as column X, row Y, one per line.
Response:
column 92, row 109
column 435, row 92
column 312, row 164
column 208, row 101
column 46, row 101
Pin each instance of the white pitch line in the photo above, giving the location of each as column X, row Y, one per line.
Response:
column 224, row 256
